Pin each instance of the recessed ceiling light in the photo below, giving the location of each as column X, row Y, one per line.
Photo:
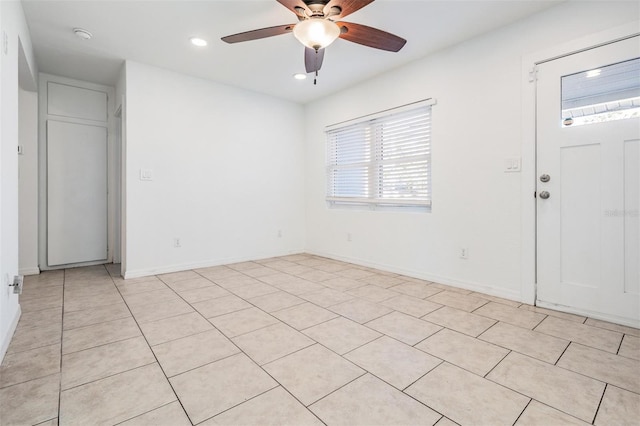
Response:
column 300, row 76
column 198, row 41
column 593, row 73
column 82, row 33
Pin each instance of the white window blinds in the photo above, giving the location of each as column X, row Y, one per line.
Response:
column 383, row 159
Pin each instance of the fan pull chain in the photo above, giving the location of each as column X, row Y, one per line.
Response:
column 315, row 79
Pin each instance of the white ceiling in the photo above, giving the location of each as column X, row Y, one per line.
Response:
column 157, row 33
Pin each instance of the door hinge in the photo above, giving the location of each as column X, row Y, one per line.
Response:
column 535, row 195
column 533, row 74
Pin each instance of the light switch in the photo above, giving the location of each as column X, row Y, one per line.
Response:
column 146, row 174
column 512, row 165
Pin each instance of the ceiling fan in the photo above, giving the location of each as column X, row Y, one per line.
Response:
column 319, row 25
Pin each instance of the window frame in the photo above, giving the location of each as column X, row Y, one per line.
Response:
column 374, row 198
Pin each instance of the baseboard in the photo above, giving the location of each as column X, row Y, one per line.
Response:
column 29, row 271
column 467, row 285
column 205, row 264
column 6, row 340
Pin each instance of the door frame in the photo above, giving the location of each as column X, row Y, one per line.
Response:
column 42, row 164
column 529, row 144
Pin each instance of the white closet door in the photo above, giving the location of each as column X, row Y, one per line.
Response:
column 76, row 193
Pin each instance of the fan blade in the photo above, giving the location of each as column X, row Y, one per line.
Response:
column 347, row 6
column 257, row 34
column 313, row 59
column 296, row 6
column 372, row 37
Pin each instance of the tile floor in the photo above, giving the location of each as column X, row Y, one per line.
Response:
column 305, row 340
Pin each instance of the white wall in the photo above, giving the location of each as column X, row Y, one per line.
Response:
column 477, row 123
column 227, row 173
column 13, row 24
column 28, row 182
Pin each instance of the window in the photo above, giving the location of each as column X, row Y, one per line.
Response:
column 602, row 94
column 382, row 159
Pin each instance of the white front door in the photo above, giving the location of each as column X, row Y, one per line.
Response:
column 588, row 187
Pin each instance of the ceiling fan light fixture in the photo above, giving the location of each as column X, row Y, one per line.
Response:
column 316, row 33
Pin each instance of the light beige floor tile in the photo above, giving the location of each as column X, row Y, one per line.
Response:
column 190, row 284
column 52, row 422
column 253, row 290
column 272, row 342
column 354, row 273
column 221, row 306
column 273, row 408
column 168, row 329
column 203, row 293
column 241, row 322
column 537, row 345
column 384, row 281
column 119, row 281
column 31, row 402
column 326, row 297
column 360, row 310
column 89, row 290
column 279, row 264
column 261, row 271
column 464, row 351
column 304, row 316
column 152, row 284
column 276, row 301
column 403, row 327
column 28, row 365
column 332, row 267
column 41, row 303
column 511, row 315
column 500, row 300
column 466, row 398
column 613, row 327
column 243, row 266
column 312, row 373
column 553, row 313
column 47, row 317
column 446, row 422
column 150, row 298
column 594, row 337
column 25, row 339
column 35, row 292
column 419, row 290
column 604, row 366
column 341, row 335
column 170, row 415
column 187, row 353
column 95, row 315
column 298, row 286
column 561, row 389
column 459, row 301
column 372, row 293
column 103, row 361
column 370, row 401
column 117, row 398
column 221, row 273
column 445, row 287
column 343, row 284
column 216, row 387
column 411, row 305
column 161, row 310
column 98, row 334
column 272, row 279
column 618, row 407
column 316, row 275
column 72, row 304
column 537, row 414
column 630, row 347
column 178, row 276
column 461, row 321
column 394, row 362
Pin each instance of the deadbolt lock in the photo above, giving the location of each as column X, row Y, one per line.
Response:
column 545, row 178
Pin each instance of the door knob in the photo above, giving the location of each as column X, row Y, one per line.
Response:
column 544, row 195
column 545, row 178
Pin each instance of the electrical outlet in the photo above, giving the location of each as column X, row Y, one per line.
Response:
column 464, row 253
column 177, row 243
